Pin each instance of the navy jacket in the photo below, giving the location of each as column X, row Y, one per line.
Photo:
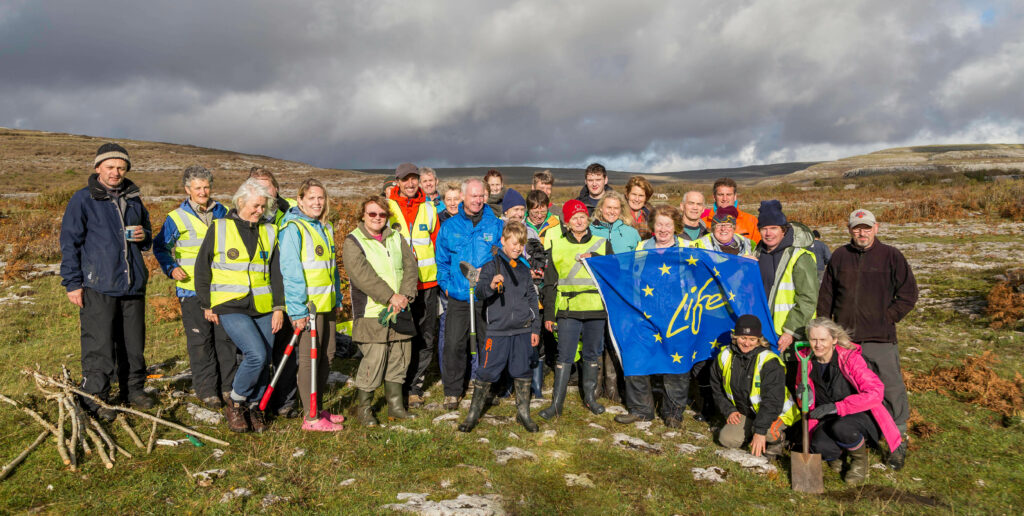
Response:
column 94, row 251
column 515, row 311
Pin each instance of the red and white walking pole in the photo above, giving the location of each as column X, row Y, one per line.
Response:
column 313, row 412
column 280, row 367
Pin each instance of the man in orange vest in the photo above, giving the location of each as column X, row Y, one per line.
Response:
column 724, row 191
column 418, row 223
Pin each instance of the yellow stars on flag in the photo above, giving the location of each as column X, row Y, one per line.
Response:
column 731, row 296
column 715, row 269
column 648, row 291
column 657, row 337
column 694, row 355
column 715, row 344
column 676, row 357
column 691, row 260
column 647, row 315
column 665, row 269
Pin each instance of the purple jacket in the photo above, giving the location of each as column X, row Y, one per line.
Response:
column 870, row 392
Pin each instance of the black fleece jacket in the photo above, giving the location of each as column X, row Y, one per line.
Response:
column 773, row 388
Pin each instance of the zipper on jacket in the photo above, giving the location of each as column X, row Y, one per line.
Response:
column 124, row 241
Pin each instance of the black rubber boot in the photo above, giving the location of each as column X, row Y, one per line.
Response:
column 523, row 405
column 558, row 388
column 639, row 401
column 476, row 406
column 589, row 375
column 365, row 411
column 393, row 394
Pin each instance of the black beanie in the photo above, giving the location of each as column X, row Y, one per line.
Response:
column 770, row 214
column 748, row 326
column 111, row 151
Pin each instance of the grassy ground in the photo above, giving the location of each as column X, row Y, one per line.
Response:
column 967, row 462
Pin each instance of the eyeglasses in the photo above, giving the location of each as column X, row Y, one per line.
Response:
column 376, row 214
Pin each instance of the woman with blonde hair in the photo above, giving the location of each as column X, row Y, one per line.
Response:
column 610, row 222
column 846, row 401
column 310, row 272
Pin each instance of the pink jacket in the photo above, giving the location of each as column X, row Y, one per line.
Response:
column 870, row 392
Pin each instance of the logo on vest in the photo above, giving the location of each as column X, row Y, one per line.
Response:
column 233, row 254
column 319, row 250
column 423, row 227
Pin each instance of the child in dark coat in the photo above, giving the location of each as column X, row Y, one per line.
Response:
column 513, row 326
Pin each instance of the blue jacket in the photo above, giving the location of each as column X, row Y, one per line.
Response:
column 94, row 251
column 289, row 244
column 459, row 240
column 163, row 244
column 623, row 237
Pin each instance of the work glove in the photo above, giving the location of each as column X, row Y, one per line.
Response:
column 821, row 411
column 387, row 317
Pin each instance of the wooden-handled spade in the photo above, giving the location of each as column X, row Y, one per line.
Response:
column 805, row 467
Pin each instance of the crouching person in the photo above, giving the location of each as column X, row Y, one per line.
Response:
column 382, row 273
column 238, row 281
column 513, row 326
column 846, row 401
column 749, row 386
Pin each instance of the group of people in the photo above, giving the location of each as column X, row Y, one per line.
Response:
column 434, row 266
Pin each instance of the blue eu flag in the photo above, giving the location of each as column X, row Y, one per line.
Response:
column 670, row 308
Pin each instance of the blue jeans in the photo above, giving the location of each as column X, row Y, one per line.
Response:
column 254, row 338
column 569, row 331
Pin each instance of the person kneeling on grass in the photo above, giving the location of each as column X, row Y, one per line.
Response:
column 513, row 326
column 846, row 401
column 748, row 382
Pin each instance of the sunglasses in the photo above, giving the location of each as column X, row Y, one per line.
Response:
column 376, row 214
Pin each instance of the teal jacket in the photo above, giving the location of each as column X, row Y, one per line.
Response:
column 623, row 237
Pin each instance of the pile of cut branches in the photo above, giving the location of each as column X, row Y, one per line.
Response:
column 77, row 433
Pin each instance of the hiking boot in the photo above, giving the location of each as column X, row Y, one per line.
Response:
column 562, row 372
column 523, row 404
column 365, row 411
column 672, row 422
column 333, row 418
column 451, row 403
column 393, row 394
column 258, row 420
column 142, row 400
column 773, row 450
column 630, row 418
column 836, row 465
column 588, row 375
column 898, row 457
column 320, row 425
column 213, row 402
column 235, row 414
column 859, row 465
column 106, row 414
column 415, row 400
column 476, row 407
column 288, row 412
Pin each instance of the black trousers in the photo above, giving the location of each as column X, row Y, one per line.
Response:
column 424, row 313
column 456, row 344
column 211, row 354
column 640, row 399
column 287, row 387
column 113, row 336
column 835, row 434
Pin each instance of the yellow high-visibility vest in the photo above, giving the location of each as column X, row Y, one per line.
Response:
column 783, row 297
column 790, row 414
column 386, row 260
column 318, row 264
column 575, row 285
column 191, row 231
column 419, row 238
column 235, row 273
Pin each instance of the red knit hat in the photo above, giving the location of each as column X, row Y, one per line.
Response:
column 571, row 208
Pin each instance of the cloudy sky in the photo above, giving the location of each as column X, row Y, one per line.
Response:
column 640, row 85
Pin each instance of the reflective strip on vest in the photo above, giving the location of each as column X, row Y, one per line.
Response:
column 789, row 415
column 575, row 285
column 783, row 299
column 191, row 231
column 317, row 269
column 419, row 239
column 234, row 278
column 386, row 260
column 643, row 245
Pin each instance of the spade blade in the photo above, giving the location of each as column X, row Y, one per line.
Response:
column 469, row 272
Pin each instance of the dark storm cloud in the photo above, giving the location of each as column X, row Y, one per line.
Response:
column 647, row 85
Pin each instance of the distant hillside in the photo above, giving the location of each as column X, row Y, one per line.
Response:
column 37, row 161
column 565, row 176
column 987, row 158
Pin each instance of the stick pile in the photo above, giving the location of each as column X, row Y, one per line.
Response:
column 77, row 429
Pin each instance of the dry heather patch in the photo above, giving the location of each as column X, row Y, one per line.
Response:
column 920, row 427
column 1006, row 300
column 165, row 308
column 973, row 382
